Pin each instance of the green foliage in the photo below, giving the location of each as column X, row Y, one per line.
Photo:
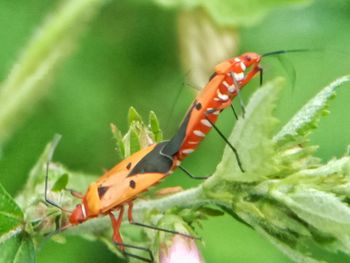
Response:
column 28, row 81
column 233, row 12
column 60, row 184
column 307, row 118
column 286, row 195
column 11, row 216
column 15, row 244
column 139, row 134
column 155, row 127
column 294, row 195
column 18, row 249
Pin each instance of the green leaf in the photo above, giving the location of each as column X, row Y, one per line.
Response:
column 233, row 12
column 134, row 116
column 293, row 254
column 19, row 249
column 117, row 135
column 60, row 184
column 11, row 216
column 307, row 118
column 320, row 209
column 134, row 140
column 251, row 137
column 155, row 127
column 244, row 13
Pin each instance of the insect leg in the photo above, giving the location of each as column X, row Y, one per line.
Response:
column 191, row 175
column 117, row 239
column 131, row 221
column 228, row 143
column 234, row 111
column 51, row 151
column 75, row 193
column 238, row 88
column 261, row 75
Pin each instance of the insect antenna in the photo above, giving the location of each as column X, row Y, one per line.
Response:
column 287, row 66
column 278, row 52
column 51, row 151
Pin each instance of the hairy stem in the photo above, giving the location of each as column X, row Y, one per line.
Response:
column 28, row 80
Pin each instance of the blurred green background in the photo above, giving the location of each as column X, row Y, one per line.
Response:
column 130, row 57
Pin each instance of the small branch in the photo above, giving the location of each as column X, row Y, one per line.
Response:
column 28, row 80
column 190, row 198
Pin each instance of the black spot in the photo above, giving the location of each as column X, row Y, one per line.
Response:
column 132, row 184
column 102, row 190
column 128, row 166
column 198, row 106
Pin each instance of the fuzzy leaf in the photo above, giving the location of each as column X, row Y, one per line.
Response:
column 233, row 12
column 11, row 216
column 134, row 140
column 155, row 127
column 19, row 249
column 307, row 118
column 117, row 135
column 320, row 209
column 293, row 254
column 60, row 184
column 251, row 137
column 134, row 116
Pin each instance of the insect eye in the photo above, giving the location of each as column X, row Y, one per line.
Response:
column 248, row 58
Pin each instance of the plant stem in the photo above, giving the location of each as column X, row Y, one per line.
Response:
column 27, row 82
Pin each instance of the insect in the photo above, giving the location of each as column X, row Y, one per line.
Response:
column 119, row 187
column 224, row 85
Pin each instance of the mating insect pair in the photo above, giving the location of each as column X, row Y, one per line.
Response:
column 119, row 186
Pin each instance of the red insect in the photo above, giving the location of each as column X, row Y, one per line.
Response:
column 224, row 85
column 119, row 187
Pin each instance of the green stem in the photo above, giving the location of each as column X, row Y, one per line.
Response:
column 27, row 82
column 193, row 197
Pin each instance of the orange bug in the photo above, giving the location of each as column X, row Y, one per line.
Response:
column 119, row 187
column 224, row 85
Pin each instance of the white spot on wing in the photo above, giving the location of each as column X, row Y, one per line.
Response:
column 243, row 67
column 198, row 133
column 237, row 59
column 230, row 88
column 187, row 151
column 206, row 122
column 221, row 96
column 238, row 76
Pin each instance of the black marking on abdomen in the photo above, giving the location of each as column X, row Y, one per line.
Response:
column 128, row 166
column 102, row 190
column 177, row 141
column 132, row 184
column 153, row 162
